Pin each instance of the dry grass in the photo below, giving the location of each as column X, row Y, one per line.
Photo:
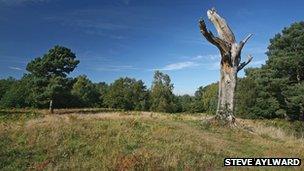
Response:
column 135, row 140
column 262, row 129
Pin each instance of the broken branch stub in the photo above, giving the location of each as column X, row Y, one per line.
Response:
column 223, row 30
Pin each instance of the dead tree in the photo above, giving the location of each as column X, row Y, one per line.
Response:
column 230, row 65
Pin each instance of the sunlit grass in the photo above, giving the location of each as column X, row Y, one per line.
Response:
column 134, row 140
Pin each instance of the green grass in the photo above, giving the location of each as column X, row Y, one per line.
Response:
column 122, row 141
column 20, row 115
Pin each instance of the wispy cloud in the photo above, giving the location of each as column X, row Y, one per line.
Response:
column 99, row 62
column 206, row 57
column 89, row 57
column 110, row 23
column 200, row 60
column 15, row 68
column 178, row 66
column 212, row 66
column 116, row 68
column 115, row 22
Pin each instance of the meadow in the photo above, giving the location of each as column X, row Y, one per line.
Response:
column 102, row 139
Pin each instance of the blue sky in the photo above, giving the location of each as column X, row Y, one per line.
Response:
column 117, row 38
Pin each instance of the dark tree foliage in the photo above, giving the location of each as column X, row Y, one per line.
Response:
column 286, row 59
column 5, row 85
column 58, row 62
column 128, row 94
column 103, row 89
column 186, row 103
column 86, row 94
column 274, row 90
column 268, row 95
column 206, row 98
column 295, row 101
column 17, row 94
column 286, row 53
column 245, row 96
column 162, row 97
column 48, row 75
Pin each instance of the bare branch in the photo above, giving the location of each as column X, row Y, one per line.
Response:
column 243, row 64
column 243, row 42
column 246, row 39
column 207, row 33
column 222, row 45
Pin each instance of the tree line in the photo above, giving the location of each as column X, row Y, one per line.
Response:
column 47, row 85
column 275, row 90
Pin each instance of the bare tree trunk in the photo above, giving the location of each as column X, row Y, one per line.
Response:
column 227, row 87
column 230, row 63
column 51, row 108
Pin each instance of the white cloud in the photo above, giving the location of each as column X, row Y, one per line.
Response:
column 178, row 66
column 208, row 57
column 199, row 60
column 15, row 68
column 198, row 57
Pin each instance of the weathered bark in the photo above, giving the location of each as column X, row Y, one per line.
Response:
column 230, row 64
column 51, row 108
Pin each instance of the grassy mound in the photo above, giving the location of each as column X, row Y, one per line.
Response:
column 120, row 141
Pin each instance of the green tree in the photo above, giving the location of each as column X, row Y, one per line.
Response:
column 50, row 72
column 18, row 93
column 5, row 85
column 162, row 97
column 140, row 96
column 246, row 96
column 286, row 53
column 266, row 95
column 286, row 59
column 295, row 101
column 85, row 91
column 103, row 89
column 128, row 94
column 206, row 98
column 186, row 103
column 274, row 90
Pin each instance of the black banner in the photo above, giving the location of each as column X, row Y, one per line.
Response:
column 262, row 162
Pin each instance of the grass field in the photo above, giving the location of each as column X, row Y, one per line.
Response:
column 112, row 140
